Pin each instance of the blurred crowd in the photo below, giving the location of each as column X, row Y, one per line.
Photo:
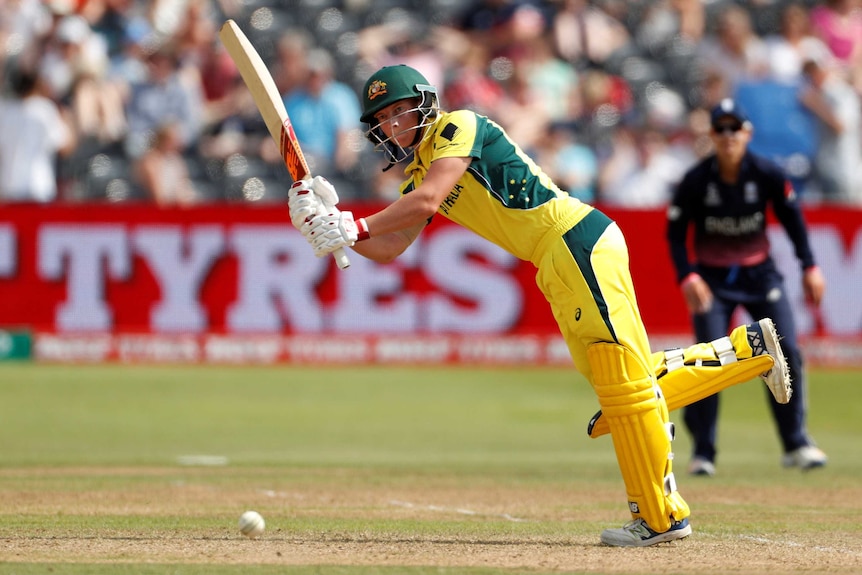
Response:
column 121, row 100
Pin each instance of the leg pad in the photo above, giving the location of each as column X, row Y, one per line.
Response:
column 638, row 420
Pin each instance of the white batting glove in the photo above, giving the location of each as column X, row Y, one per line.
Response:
column 302, row 202
column 325, row 191
column 310, row 197
column 330, row 231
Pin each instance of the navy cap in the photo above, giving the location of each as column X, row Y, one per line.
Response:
column 728, row 108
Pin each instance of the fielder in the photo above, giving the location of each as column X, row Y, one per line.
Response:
column 464, row 167
column 724, row 199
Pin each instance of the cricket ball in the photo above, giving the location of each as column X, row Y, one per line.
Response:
column 251, row 524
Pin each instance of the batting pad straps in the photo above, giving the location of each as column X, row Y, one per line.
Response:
column 724, row 350
column 674, row 359
column 717, row 352
column 638, row 420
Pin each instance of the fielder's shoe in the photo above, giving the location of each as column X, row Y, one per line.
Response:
column 638, row 534
column 701, row 466
column 806, row 457
column 763, row 338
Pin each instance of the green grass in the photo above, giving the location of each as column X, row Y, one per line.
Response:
column 134, row 415
column 528, row 419
column 110, row 433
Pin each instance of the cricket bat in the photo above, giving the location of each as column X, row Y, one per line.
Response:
column 268, row 100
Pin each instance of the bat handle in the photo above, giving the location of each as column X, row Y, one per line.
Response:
column 341, row 258
column 328, row 196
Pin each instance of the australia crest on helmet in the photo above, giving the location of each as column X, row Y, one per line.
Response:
column 376, row 88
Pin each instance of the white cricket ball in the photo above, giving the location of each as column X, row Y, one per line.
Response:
column 251, row 524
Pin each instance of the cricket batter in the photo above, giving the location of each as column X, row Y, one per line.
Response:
column 464, row 167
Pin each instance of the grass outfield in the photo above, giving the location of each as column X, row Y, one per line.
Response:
column 358, row 471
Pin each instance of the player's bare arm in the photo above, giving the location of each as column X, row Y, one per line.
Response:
column 384, row 249
column 396, row 226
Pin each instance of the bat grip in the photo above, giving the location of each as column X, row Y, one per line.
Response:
column 341, row 259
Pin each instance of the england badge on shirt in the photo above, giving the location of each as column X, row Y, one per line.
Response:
column 712, row 198
column 751, row 195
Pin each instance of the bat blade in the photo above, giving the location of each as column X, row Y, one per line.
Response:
column 268, row 100
column 266, row 97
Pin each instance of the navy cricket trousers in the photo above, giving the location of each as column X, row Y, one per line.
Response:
column 760, row 291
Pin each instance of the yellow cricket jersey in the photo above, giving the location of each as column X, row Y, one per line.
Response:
column 503, row 196
column 580, row 254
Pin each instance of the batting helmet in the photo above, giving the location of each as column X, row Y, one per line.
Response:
column 387, row 86
column 393, row 83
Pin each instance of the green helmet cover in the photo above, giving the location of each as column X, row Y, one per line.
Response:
column 388, row 85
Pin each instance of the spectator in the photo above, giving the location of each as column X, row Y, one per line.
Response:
column 735, row 51
column 725, row 198
column 290, row 66
column 503, row 26
column 98, row 110
column 670, row 24
column 571, row 164
column 795, row 44
column 206, row 63
column 323, row 112
column 34, row 134
column 605, row 100
column 710, row 90
column 75, row 67
column 837, row 107
column 110, row 20
column 839, row 24
column 22, row 25
column 642, row 169
column 524, row 116
column 554, row 81
column 411, row 42
column 196, row 32
column 233, row 124
column 128, row 66
column 471, row 86
column 97, row 115
column 73, row 50
column 162, row 172
column 163, row 97
column 203, row 61
column 586, row 35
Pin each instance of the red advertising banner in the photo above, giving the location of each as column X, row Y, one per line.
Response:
column 238, row 283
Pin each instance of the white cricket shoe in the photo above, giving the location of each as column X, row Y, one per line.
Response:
column 763, row 338
column 638, row 534
column 701, row 466
column 805, row 457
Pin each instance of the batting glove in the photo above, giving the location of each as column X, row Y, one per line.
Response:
column 302, row 202
column 308, row 198
column 330, row 231
column 325, row 191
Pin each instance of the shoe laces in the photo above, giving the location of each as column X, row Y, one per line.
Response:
column 639, row 528
column 755, row 340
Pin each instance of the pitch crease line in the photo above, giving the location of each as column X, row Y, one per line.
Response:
column 458, row 510
column 795, row 544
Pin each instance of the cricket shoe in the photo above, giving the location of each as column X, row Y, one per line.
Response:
column 701, row 466
column 805, row 457
column 638, row 534
column 763, row 339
